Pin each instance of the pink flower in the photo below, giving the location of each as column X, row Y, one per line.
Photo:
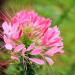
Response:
column 45, row 40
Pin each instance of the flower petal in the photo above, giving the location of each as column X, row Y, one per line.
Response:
column 30, row 47
column 5, row 27
column 38, row 61
column 49, row 60
column 54, row 50
column 35, row 52
column 8, row 46
column 19, row 48
column 24, row 50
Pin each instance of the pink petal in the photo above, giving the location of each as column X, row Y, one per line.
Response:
column 49, row 60
column 56, row 42
column 14, row 58
column 6, row 40
column 35, row 52
column 45, row 39
column 8, row 46
column 38, row 61
column 54, row 50
column 24, row 50
column 5, row 27
column 30, row 47
column 61, row 51
column 19, row 48
column 17, row 34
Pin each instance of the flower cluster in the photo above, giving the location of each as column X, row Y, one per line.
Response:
column 29, row 35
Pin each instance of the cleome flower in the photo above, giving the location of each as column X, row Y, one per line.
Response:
column 29, row 35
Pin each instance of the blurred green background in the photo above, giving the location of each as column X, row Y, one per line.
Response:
column 62, row 13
